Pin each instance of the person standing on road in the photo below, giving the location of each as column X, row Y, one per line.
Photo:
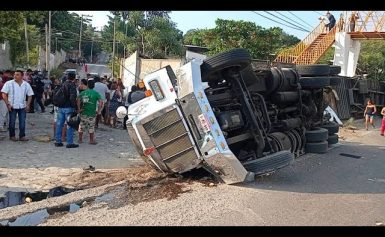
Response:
column 38, row 90
column 369, row 113
column 47, row 87
column 116, row 100
column 66, row 110
column 86, row 103
column 14, row 93
column 3, row 109
column 383, row 121
column 104, row 93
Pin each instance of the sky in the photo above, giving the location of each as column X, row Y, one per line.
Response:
column 187, row 20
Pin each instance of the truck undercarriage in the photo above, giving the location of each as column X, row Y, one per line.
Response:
column 234, row 119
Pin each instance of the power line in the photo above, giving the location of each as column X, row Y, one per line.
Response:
column 277, row 21
column 286, row 21
column 290, row 19
column 318, row 13
column 300, row 19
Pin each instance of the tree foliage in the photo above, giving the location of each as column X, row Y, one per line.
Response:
column 372, row 59
column 152, row 33
column 229, row 34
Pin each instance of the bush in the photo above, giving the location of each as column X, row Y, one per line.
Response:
column 57, row 72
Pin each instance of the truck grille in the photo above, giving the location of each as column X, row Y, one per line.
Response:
column 170, row 137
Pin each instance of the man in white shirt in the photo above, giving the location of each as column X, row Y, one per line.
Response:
column 104, row 92
column 14, row 93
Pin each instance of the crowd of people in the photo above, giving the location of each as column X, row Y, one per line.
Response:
column 91, row 100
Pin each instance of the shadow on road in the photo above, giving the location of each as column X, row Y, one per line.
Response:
column 331, row 172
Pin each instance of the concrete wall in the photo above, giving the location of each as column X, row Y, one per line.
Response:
column 130, row 71
column 136, row 68
column 55, row 59
column 5, row 59
column 150, row 65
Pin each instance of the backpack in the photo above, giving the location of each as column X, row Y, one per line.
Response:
column 59, row 97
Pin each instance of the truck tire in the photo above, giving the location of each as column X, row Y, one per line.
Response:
column 333, row 139
column 332, row 127
column 317, row 147
column 314, row 82
column 335, row 80
column 316, row 135
column 233, row 58
column 335, row 70
column 313, row 70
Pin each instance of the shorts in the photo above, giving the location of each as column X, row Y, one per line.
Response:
column 87, row 123
column 370, row 115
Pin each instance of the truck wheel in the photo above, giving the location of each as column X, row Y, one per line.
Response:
column 335, row 80
column 333, row 139
column 335, row 70
column 313, row 70
column 332, row 127
column 314, row 82
column 317, row 147
column 233, row 58
column 316, row 135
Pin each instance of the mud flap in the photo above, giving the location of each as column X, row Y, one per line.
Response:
column 269, row 163
column 227, row 167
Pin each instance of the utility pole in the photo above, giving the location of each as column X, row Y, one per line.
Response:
column 80, row 35
column 55, row 44
column 26, row 41
column 49, row 43
column 113, row 51
column 46, row 48
column 92, row 47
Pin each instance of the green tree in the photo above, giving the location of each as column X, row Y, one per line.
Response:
column 372, row 59
column 229, row 34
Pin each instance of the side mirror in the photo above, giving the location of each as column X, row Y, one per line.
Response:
column 121, row 112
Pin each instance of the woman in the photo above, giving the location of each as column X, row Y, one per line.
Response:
column 116, row 100
column 369, row 112
column 383, row 121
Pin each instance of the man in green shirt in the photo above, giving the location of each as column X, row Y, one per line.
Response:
column 86, row 102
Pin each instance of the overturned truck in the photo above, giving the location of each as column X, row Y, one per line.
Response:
column 232, row 119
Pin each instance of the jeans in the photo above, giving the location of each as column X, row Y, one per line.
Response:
column 36, row 100
column 61, row 118
column 21, row 113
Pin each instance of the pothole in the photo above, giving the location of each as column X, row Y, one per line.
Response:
column 40, row 216
column 14, row 198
